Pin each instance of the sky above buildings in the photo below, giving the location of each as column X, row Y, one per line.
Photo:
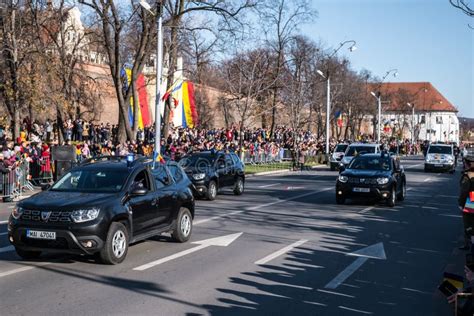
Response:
column 426, row 40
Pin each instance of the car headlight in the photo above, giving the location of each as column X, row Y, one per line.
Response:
column 80, row 216
column 343, row 179
column 199, row 176
column 382, row 180
column 17, row 211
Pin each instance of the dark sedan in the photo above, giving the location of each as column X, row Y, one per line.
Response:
column 377, row 176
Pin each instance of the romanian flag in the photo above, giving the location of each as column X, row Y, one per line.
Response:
column 144, row 118
column 159, row 158
column 184, row 112
column 338, row 115
column 469, row 206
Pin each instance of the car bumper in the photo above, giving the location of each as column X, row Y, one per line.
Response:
column 439, row 166
column 77, row 240
column 381, row 192
column 199, row 188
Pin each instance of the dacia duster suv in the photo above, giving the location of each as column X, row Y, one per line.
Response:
column 102, row 206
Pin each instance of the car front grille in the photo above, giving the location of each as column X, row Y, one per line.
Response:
column 55, row 216
column 362, row 180
column 59, row 243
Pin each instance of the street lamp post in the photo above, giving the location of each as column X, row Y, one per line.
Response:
column 412, row 106
column 328, row 90
column 159, row 70
column 379, row 101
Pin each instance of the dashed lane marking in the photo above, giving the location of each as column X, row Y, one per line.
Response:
column 450, row 215
column 205, row 220
column 280, row 252
column 3, row 222
column 22, row 269
column 268, row 185
column 355, row 310
column 365, row 210
column 427, row 179
column 7, row 249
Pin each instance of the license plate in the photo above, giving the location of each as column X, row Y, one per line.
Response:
column 438, row 165
column 365, row 190
column 37, row 234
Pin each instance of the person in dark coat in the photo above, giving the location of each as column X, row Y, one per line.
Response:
column 467, row 186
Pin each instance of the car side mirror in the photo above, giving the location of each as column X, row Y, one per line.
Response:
column 139, row 192
column 45, row 187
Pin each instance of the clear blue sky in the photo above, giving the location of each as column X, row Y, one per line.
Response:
column 427, row 40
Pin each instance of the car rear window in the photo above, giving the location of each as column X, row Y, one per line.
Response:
column 359, row 150
column 440, row 150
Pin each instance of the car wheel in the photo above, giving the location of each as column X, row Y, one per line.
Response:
column 239, row 186
column 184, row 226
column 340, row 199
column 392, row 199
column 116, row 245
column 212, row 191
column 401, row 196
column 27, row 255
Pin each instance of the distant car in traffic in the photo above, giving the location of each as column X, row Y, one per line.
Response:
column 336, row 156
column 210, row 171
column 358, row 149
column 440, row 157
column 377, row 176
column 102, row 206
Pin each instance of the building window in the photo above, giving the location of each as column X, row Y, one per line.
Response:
column 422, row 119
column 439, row 120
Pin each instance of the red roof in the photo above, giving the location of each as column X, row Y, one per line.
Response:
column 423, row 95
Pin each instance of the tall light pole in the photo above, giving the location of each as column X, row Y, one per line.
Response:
column 328, row 81
column 379, row 119
column 379, row 100
column 159, row 70
column 412, row 106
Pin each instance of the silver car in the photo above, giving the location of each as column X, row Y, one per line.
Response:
column 440, row 157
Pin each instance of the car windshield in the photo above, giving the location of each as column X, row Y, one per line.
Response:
column 93, row 181
column 340, row 148
column 358, row 150
column 440, row 150
column 201, row 161
column 370, row 163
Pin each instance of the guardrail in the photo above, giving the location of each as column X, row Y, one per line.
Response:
column 18, row 179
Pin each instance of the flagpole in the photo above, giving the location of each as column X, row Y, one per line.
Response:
column 159, row 69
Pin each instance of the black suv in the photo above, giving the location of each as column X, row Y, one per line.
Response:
column 372, row 175
column 210, row 171
column 102, row 206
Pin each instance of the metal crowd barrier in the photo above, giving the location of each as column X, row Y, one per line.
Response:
column 16, row 181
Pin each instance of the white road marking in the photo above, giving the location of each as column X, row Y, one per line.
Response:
column 254, row 208
column 315, row 303
column 280, row 252
column 268, row 185
column 430, row 207
column 22, row 269
column 222, row 241
column 451, row 215
column 414, row 166
column 7, row 249
column 427, row 179
column 366, row 209
column 355, row 310
column 371, row 252
column 205, row 220
column 294, row 188
column 1, row 234
column 3, row 222
column 335, row 293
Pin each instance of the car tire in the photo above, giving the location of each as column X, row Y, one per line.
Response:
column 239, row 186
column 401, row 196
column 27, row 255
column 211, row 191
column 340, row 199
column 392, row 199
column 116, row 245
column 183, row 227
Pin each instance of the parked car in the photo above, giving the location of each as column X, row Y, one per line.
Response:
column 336, row 156
column 377, row 176
column 440, row 157
column 211, row 171
column 358, row 149
column 102, row 206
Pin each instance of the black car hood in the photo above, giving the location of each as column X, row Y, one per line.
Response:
column 366, row 173
column 66, row 200
column 194, row 170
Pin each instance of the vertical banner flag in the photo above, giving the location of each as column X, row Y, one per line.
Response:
column 338, row 115
column 144, row 118
column 185, row 111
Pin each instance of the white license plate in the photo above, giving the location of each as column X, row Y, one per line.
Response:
column 438, row 165
column 365, row 190
column 38, row 234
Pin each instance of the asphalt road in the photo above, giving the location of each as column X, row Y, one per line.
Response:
column 287, row 254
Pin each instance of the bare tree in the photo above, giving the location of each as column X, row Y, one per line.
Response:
column 464, row 6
